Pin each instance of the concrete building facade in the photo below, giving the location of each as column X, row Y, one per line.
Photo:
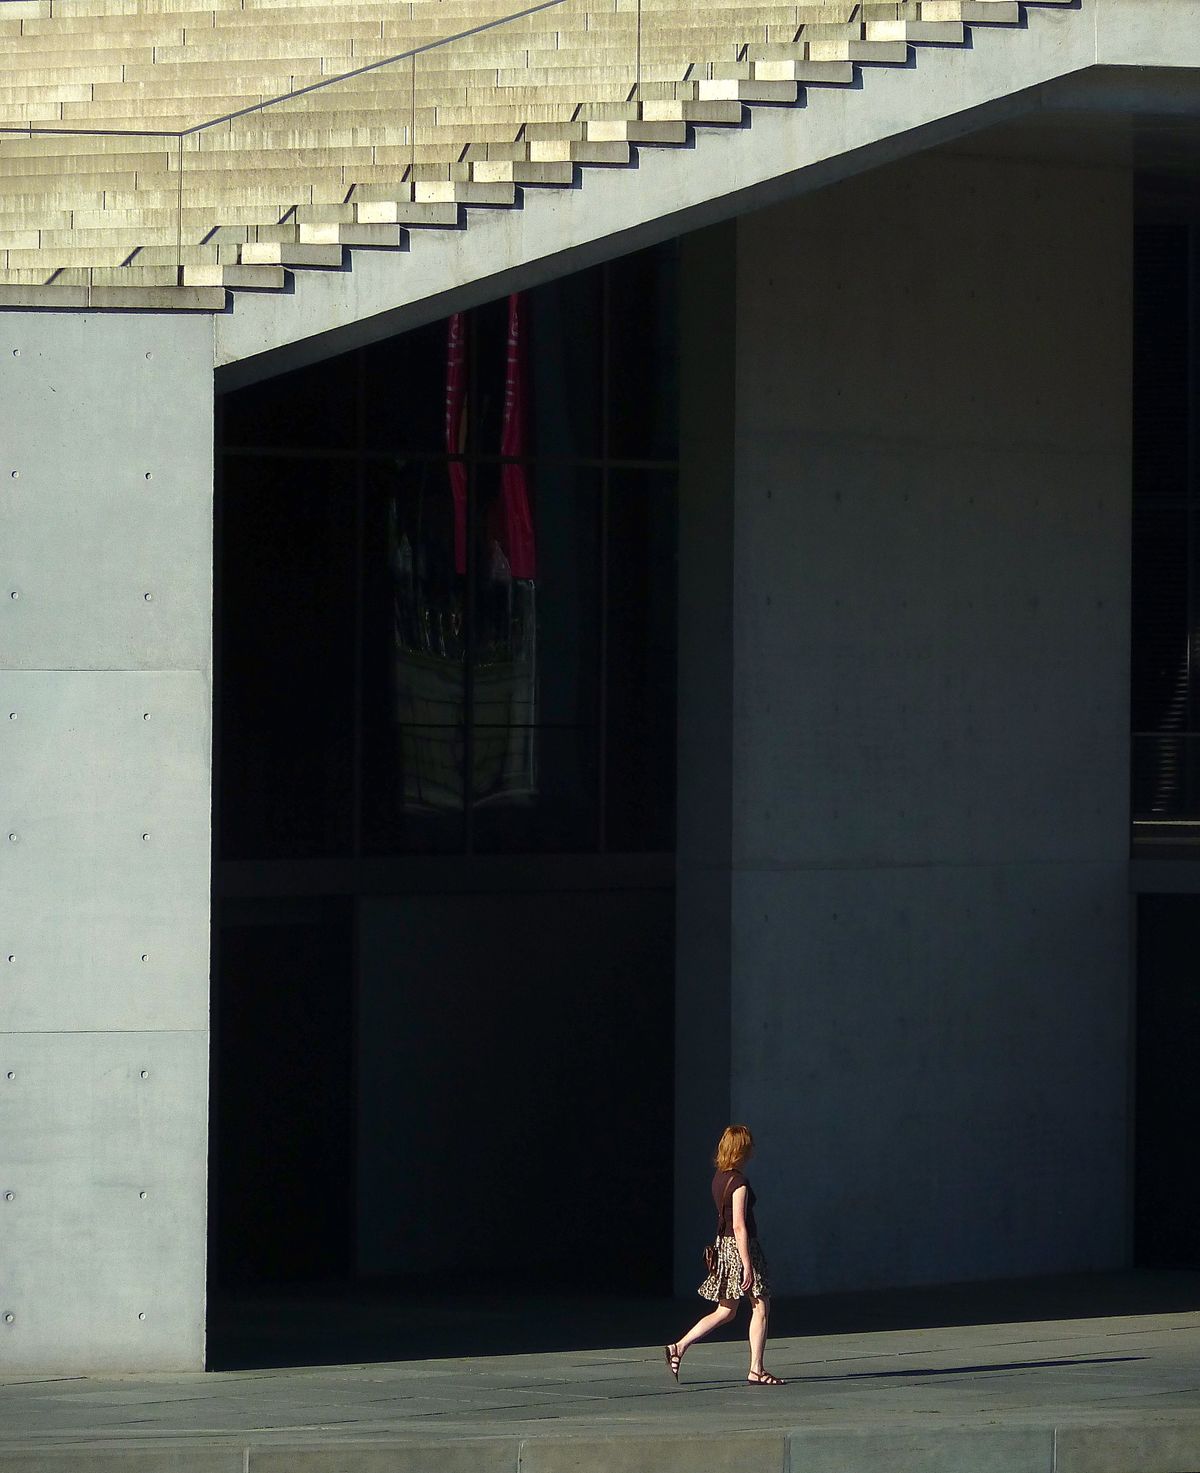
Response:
column 903, row 926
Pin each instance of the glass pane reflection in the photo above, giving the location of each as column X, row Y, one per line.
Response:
column 414, row 644
column 537, row 594
column 643, row 389
column 310, row 408
column 287, row 658
column 404, row 383
column 557, row 809
column 642, row 579
column 506, row 635
column 501, row 602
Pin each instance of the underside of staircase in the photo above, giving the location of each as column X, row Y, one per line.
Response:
column 160, row 157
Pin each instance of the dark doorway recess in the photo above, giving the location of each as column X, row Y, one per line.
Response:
column 444, row 811
column 1168, row 1082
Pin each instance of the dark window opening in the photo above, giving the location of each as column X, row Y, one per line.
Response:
column 450, row 585
column 1166, row 535
column 1166, row 718
column 1167, row 1194
column 445, row 776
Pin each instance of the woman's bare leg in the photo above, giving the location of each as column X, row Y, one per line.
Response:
column 760, row 1312
column 723, row 1313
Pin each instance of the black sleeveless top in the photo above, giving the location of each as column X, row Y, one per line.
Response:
column 731, row 1180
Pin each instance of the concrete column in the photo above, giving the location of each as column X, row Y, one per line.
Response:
column 929, row 919
column 105, row 723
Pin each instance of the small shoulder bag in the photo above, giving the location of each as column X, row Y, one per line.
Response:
column 711, row 1257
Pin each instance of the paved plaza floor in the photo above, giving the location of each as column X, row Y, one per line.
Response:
column 903, row 1383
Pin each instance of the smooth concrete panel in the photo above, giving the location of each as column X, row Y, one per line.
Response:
column 482, row 1455
column 1171, row 1447
column 106, row 427
column 933, row 1060
column 741, row 1452
column 103, row 928
column 962, row 301
column 105, row 791
column 981, row 679
column 1134, row 33
column 89, row 1122
column 128, row 1460
column 901, row 1450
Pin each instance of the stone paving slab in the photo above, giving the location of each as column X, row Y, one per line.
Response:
column 1106, row 1393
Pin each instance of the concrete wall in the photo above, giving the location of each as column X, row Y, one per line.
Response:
column 106, row 556
column 929, row 954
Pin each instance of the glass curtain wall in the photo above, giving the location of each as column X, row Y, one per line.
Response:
column 457, row 548
column 1166, row 526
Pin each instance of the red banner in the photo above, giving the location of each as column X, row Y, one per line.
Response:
column 519, row 543
column 514, row 530
column 456, row 430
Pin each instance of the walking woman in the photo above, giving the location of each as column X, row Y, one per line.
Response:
column 741, row 1269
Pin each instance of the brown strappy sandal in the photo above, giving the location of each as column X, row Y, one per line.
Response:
column 674, row 1359
column 764, row 1378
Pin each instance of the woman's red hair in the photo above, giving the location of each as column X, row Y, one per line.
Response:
column 732, row 1149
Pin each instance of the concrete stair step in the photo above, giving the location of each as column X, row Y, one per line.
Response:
column 37, row 183
column 367, row 235
column 279, row 253
column 411, row 213
column 470, row 193
column 124, row 298
column 975, row 12
column 627, row 110
column 36, row 258
column 504, row 171
column 632, row 130
column 880, row 52
column 705, row 112
column 917, row 32
column 605, row 155
column 15, row 166
column 132, row 21
column 50, row 238
column 21, row 61
column 755, row 91
column 806, row 73
column 240, row 278
column 133, row 276
column 509, row 114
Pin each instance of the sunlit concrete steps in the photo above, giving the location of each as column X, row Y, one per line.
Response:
column 300, row 186
column 276, row 57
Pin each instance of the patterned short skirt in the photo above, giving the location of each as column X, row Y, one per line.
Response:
column 726, row 1283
